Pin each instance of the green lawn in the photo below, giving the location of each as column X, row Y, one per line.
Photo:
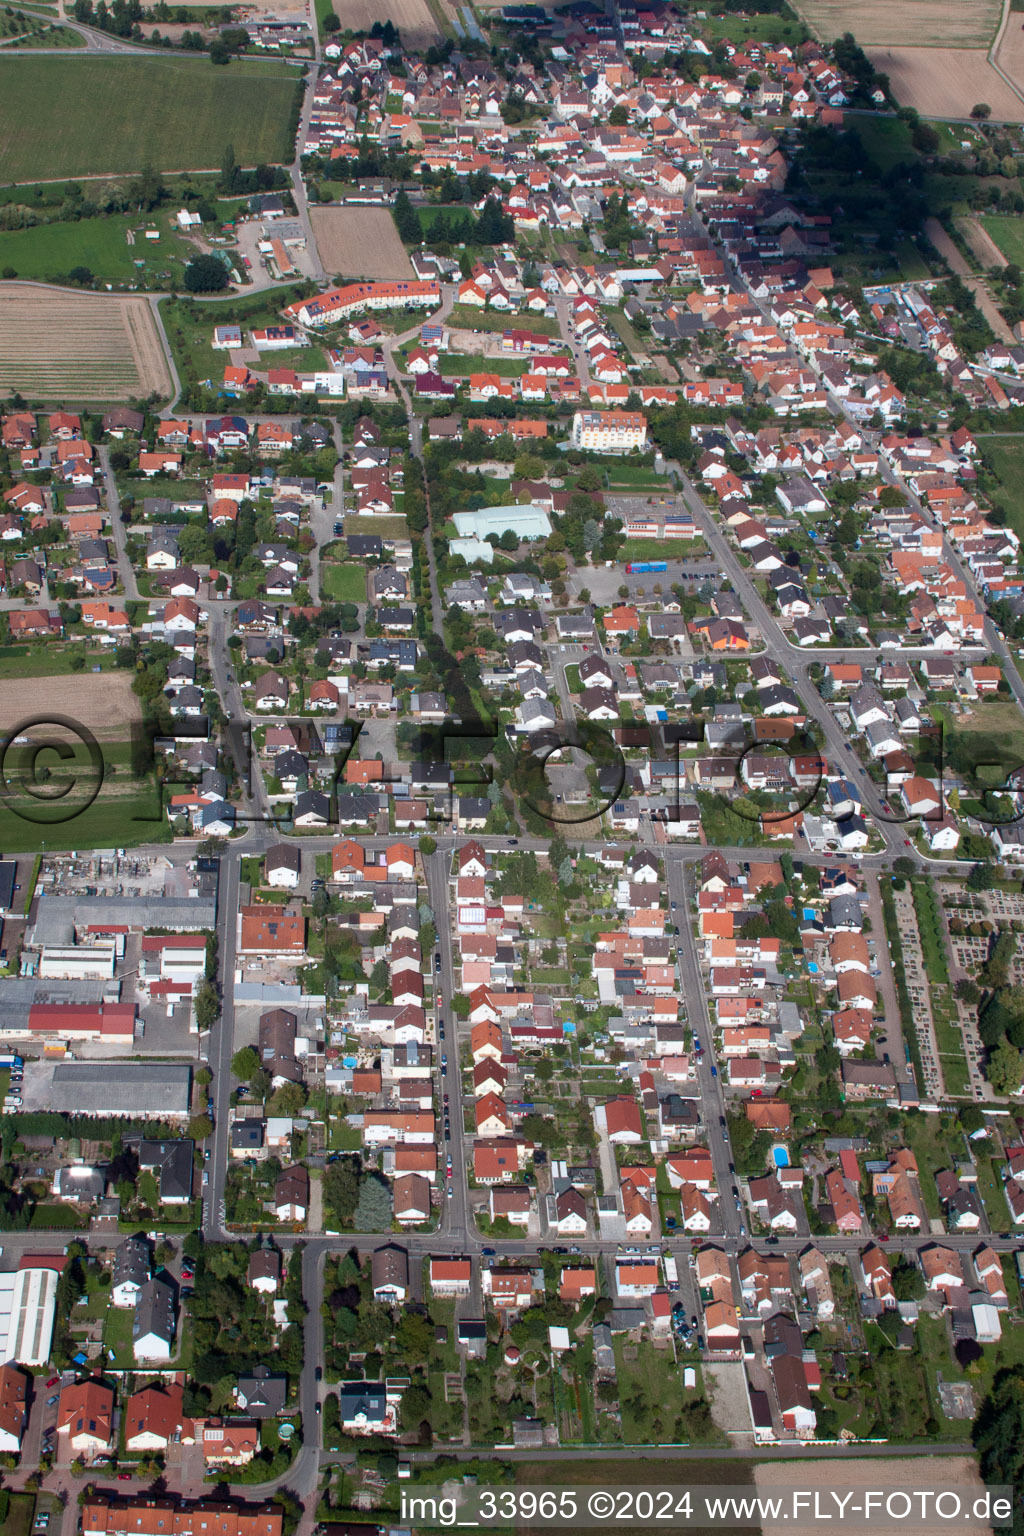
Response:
column 1008, row 233
column 343, row 583
column 48, row 252
column 468, row 317
column 116, row 822
column 117, row 1336
column 48, row 660
column 20, row 1514
column 190, row 327
column 886, row 140
column 763, row 28
column 43, row 33
column 637, row 477
column 662, row 549
column 454, row 364
column 118, row 113
column 1004, row 456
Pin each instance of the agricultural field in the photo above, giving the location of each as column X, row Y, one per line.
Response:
column 87, row 796
column 172, row 113
column 959, row 1472
column 360, row 242
column 1010, row 55
column 413, row 18
column 1007, row 233
column 48, row 252
column 79, row 347
column 944, row 81
column 934, row 23
column 104, row 703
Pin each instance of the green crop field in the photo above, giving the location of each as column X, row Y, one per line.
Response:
column 48, row 252
column 121, row 113
column 1008, row 233
column 120, row 820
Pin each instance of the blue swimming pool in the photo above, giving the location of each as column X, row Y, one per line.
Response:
column 781, row 1157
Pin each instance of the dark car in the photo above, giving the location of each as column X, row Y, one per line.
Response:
column 318, row 1374
column 437, row 962
column 488, row 1253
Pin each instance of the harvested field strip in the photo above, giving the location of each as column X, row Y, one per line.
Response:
column 946, row 82
column 931, row 23
column 78, row 346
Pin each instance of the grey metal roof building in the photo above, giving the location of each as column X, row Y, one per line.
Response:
column 157, row 1090
column 56, row 915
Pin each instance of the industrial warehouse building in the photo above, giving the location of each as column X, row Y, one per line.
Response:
column 144, row 1090
column 28, row 1298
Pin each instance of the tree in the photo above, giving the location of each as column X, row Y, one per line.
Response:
column 245, row 1063
column 1005, row 1069
column 907, row 1281
column 998, row 1432
column 981, row 110
column 968, row 991
column 206, row 274
column 414, row 1336
column 415, row 1408
column 204, row 1077
column 428, row 845
column 618, row 117
column 373, row 1208
column 289, row 1099
column 971, row 1118
column 199, row 1127
column 980, row 877
column 407, row 220
column 330, row 23
column 341, row 1189
column 207, row 1005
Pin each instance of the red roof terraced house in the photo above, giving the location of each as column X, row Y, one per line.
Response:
column 338, row 303
column 107, row 1514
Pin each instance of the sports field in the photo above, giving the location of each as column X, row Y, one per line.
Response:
column 78, row 347
column 120, row 114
